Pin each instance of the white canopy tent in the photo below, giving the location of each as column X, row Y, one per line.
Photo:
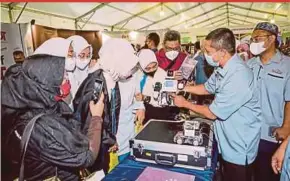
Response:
column 185, row 17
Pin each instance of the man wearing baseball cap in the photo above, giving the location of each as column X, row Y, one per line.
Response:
column 18, row 55
column 272, row 80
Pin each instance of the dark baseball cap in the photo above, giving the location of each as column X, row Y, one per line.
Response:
column 270, row 27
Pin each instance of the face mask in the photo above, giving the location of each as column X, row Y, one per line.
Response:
column 171, row 55
column 64, row 90
column 82, row 64
column 70, row 64
column 210, row 61
column 257, row 48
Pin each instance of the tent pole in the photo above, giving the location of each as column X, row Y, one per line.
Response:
column 76, row 24
column 288, row 15
column 10, row 15
column 21, row 12
column 88, row 19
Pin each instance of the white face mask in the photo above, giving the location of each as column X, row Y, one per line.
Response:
column 257, row 48
column 210, row 61
column 171, row 55
column 82, row 64
column 70, row 64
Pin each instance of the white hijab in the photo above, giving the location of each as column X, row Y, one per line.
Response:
column 54, row 46
column 146, row 56
column 77, row 76
column 116, row 57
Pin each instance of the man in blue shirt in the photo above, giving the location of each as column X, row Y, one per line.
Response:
column 272, row 81
column 235, row 109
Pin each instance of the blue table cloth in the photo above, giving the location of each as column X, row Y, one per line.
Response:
column 129, row 170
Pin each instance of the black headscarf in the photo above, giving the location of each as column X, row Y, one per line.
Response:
column 81, row 106
column 56, row 140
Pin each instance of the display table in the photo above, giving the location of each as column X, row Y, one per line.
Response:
column 129, row 170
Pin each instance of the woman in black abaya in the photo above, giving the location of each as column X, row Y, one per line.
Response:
column 56, row 146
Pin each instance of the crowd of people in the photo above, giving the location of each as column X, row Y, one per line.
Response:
column 50, row 101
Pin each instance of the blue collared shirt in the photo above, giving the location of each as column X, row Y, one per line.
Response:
column 238, row 125
column 272, row 82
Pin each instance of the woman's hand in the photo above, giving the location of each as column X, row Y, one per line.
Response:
column 139, row 97
column 114, row 148
column 140, row 116
column 93, row 62
column 97, row 109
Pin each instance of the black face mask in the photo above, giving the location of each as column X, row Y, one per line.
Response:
column 151, row 74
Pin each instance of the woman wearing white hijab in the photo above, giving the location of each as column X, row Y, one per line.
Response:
column 118, row 61
column 49, row 47
column 149, row 75
column 83, row 52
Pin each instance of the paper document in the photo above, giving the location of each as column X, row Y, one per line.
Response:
column 151, row 173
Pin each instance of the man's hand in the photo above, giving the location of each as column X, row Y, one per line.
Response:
column 140, row 116
column 139, row 97
column 178, row 75
column 190, row 83
column 179, row 101
column 282, row 133
column 278, row 157
column 114, row 148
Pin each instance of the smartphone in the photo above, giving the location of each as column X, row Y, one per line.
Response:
column 98, row 89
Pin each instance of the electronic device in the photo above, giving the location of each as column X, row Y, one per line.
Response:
column 163, row 91
column 98, row 88
column 187, row 67
column 170, row 74
column 192, row 133
column 185, row 144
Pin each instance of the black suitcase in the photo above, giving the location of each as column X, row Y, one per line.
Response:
column 186, row 144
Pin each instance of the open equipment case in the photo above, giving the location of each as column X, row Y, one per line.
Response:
column 185, row 144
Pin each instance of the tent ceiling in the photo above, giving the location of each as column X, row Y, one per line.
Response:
column 147, row 16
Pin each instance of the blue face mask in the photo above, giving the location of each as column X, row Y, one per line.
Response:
column 210, row 61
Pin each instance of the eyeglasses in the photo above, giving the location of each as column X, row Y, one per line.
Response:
column 173, row 49
column 148, row 69
column 258, row 38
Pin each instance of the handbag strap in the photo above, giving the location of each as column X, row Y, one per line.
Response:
column 24, row 142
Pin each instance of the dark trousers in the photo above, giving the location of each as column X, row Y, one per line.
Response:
column 263, row 169
column 233, row 172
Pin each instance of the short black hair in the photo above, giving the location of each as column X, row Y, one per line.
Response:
column 172, row 35
column 197, row 45
column 222, row 38
column 155, row 38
